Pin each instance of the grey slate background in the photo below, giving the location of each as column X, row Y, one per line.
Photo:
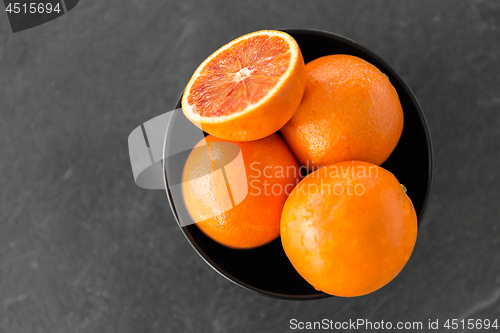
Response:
column 82, row 249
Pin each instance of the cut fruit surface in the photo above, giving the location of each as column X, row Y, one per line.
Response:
column 249, row 88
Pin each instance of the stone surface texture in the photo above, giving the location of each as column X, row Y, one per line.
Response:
column 83, row 249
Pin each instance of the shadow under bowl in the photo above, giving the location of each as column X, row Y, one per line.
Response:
column 266, row 270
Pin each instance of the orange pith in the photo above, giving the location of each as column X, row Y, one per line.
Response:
column 249, row 88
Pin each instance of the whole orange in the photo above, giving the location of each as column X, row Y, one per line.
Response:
column 348, row 228
column 235, row 191
column 349, row 111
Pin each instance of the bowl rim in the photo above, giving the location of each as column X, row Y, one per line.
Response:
column 430, row 153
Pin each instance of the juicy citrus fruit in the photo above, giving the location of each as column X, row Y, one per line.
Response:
column 348, row 228
column 247, row 89
column 235, row 191
column 350, row 111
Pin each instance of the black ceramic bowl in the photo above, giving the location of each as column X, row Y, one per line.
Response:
column 267, row 270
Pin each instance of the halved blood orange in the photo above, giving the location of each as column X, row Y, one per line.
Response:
column 247, row 89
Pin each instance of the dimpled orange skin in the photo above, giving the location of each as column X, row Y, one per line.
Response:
column 349, row 111
column 349, row 245
column 255, row 221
